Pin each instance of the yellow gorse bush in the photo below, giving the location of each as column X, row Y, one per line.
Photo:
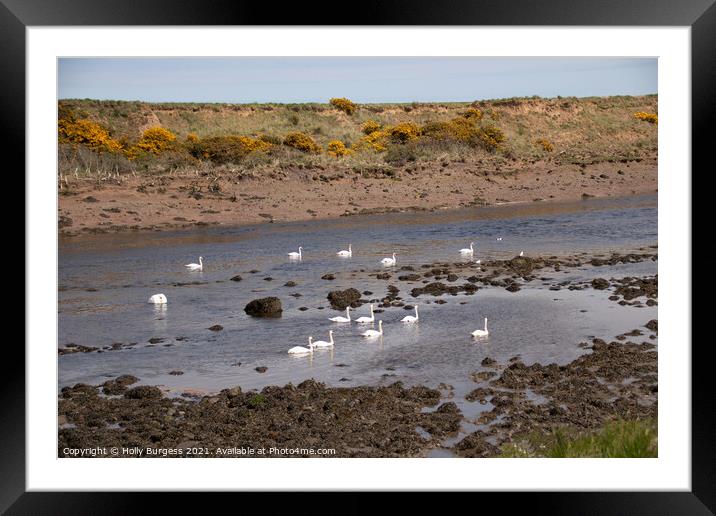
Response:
column 546, row 145
column 192, row 138
column 370, row 126
column 403, row 132
column 379, row 139
column 457, row 129
column 155, row 140
column 86, row 132
column 302, row 142
column 375, row 141
column 652, row 118
column 347, row 106
column 337, row 148
column 492, row 137
column 227, row 149
column 250, row 145
column 472, row 113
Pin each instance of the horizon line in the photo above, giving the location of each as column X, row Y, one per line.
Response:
column 529, row 97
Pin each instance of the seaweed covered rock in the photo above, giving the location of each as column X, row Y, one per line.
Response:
column 264, row 307
column 341, row 299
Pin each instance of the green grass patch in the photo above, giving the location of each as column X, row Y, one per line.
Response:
column 624, row 439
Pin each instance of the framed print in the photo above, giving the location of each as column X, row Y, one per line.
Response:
column 431, row 238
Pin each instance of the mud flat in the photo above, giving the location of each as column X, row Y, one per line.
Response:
column 167, row 202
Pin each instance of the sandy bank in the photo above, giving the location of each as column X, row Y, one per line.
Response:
column 146, row 203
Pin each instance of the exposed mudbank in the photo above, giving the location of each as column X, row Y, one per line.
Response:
column 615, row 380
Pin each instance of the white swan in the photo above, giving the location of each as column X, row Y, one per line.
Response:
column 481, row 333
column 522, row 253
column 478, row 262
column 388, row 261
column 323, row 343
column 158, row 299
column 499, row 239
column 300, row 350
column 364, row 319
column 196, row 266
column 371, row 334
column 411, row 318
column 296, row 256
column 340, row 318
column 349, row 252
column 467, row 250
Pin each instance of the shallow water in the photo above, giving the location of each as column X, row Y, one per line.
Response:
column 105, row 281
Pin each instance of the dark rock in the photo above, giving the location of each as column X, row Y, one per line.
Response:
column 261, row 369
column 156, row 340
column 264, row 307
column 435, row 289
column 328, row 276
column 341, row 299
column 236, row 278
column 176, row 373
column 216, row 327
column 452, row 277
column 409, row 277
column 487, row 361
column 289, row 284
column 600, row 283
column 653, row 325
column 143, row 392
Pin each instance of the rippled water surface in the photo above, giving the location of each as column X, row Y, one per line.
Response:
column 105, row 280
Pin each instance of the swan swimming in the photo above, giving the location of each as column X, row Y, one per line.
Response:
column 349, row 252
column 196, row 266
column 296, row 255
column 158, row 299
column 481, row 333
column 300, row 350
column 499, row 239
column 367, row 319
column 340, row 318
column 323, row 343
column 468, row 250
column 411, row 318
column 388, row 261
column 522, row 253
column 371, row 334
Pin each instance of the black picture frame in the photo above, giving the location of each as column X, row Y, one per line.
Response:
column 700, row 15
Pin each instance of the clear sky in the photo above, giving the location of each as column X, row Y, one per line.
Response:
column 362, row 79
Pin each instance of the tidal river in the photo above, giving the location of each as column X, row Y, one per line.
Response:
column 105, row 280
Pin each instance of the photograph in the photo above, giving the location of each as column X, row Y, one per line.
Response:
column 345, row 257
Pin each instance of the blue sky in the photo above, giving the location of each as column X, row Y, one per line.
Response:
column 362, row 79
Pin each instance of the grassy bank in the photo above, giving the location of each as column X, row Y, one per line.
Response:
column 121, row 137
column 617, row 439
